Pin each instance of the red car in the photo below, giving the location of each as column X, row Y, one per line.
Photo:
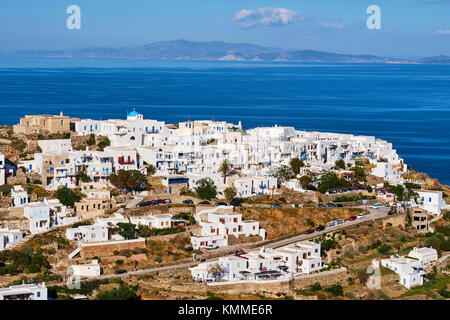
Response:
column 352, row 218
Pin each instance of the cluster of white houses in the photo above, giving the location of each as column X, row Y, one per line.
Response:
column 411, row 268
column 279, row 264
column 182, row 154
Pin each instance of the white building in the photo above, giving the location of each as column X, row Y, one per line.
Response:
column 19, row 196
column 154, row 221
column 9, row 237
column 431, row 200
column 24, row 292
column 424, row 255
column 2, row 169
column 264, row 264
column 219, row 223
column 92, row 269
column 302, row 257
column 89, row 233
column 411, row 271
column 386, row 171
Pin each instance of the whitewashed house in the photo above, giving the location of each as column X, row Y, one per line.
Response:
column 24, row 292
column 89, row 233
column 19, row 196
column 154, row 221
column 9, row 237
column 92, row 269
column 431, row 200
column 219, row 223
column 411, row 271
column 424, row 255
column 302, row 257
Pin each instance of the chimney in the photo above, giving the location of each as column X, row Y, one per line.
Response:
column 61, row 114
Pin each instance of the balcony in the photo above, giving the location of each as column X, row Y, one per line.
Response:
column 128, row 160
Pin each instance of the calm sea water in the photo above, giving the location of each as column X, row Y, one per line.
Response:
column 408, row 105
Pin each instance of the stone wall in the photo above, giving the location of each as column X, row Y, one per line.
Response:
column 107, row 249
column 325, row 278
column 397, row 220
column 233, row 240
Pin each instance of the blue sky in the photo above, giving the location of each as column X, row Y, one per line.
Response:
column 410, row 28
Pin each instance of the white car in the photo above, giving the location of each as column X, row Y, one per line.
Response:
column 360, row 216
column 374, row 207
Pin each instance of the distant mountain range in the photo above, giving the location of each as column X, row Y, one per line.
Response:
column 216, row 50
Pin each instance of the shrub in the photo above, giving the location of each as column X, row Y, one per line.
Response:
column 335, row 290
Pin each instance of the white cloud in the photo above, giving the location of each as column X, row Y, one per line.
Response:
column 332, row 25
column 443, row 32
column 267, row 16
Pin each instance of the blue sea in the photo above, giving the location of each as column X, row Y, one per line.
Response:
column 408, row 105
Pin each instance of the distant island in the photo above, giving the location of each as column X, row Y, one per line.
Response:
column 219, row 51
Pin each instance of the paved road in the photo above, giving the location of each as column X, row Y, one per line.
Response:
column 374, row 214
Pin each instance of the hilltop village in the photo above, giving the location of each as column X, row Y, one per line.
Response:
column 141, row 209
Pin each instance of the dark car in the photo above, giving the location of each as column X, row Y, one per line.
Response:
column 236, row 202
column 204, row 202
column 154, row 202
column 188, row 249
column 320, row 228
column 167, row 201
column 339, row 205
column 221, row 203
column 188, row 201
column 390, row 213
column 309, row 231
column 202, row 260
column 161, row 201
column 321, row 205
column 144, row 204
column 120, row 271
column 352, row 218
column 277, row 206
column 331, row 205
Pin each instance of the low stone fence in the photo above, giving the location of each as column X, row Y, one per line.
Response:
column 325, row 278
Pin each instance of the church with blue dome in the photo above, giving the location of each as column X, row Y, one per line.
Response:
column 134, row 115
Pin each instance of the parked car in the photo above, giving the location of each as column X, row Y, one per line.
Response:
column 321, row 205
column 188, row 249
column 120, row 271
column 211, row 247
column 167, row 201
column 374, row 207
column 331, row 205
column 320, row 228
column 205, row 202
column 340, row 221
column 309, row 231
column 202, row 260
column 154, row 202
column 360, row 216
column 332, row 223
column 236, row 202
column 144, row 204
column 161, row 201
column 390, row 213
column 352, row 218
column 188, row 201
column 221, row 203
column 339, row 205
column 277, row 206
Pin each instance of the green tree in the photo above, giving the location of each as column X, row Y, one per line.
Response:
column 103, row 144
column 230, row 193
column 224, row 169
column 305, row 181
column 296, row 164
column 67, row 196
column 128, row 180
column 124, row 292
column 340, row 164
column 330, row 180
column 150, row 169
column 91, row 140
column 127, row 230
column 82, row 176
column 359, row 173
column 206, row 189
column 282, row 174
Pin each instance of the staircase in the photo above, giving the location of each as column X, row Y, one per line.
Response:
column 74, row 253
